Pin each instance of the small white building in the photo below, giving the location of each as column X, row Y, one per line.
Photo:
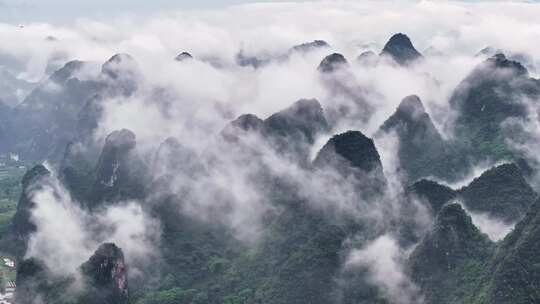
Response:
column 9, row 262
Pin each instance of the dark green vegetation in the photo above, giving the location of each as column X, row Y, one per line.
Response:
column 63, row 108
column 312, row 214
column 502, row 192
column 455, row 263
column 448, row 263
column 422, row 150
column 514, row 276
column 490, row 95
column 10, row 190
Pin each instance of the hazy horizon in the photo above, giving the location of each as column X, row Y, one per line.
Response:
column 62, row 11
column 66, row 11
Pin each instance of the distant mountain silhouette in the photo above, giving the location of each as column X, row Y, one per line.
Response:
column 401, row 50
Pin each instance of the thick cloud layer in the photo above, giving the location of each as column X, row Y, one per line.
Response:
column 383, row 259
column 67, row 235
column 194, row 99
column 452, row 31
column 495, row 229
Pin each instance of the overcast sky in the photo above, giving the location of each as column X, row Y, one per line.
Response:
column 62, row 11
column 66, row 11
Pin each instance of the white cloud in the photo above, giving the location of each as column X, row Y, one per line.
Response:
column 383, row 258
column 494, row 228
column 67, row 236
column 203, row 96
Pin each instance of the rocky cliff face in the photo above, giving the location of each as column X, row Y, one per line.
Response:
column 105, row 274
column 103, row 280
column 120, row 174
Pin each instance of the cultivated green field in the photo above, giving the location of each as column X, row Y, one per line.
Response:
column 10, row 188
